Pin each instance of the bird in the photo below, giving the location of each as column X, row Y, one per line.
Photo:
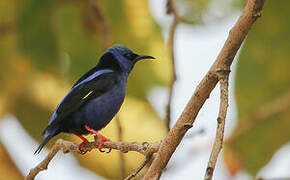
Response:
column 95, row 98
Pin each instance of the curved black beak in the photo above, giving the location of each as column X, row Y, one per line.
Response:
column 143, row 57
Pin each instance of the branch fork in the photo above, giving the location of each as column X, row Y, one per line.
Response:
column 147, row 149
column 223, row 62
column 219, row 72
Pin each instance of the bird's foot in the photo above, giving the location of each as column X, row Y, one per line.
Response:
column 80, row 146
column 102, row 139
column 101, row 143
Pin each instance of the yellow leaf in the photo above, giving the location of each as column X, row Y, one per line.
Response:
column 8, row 170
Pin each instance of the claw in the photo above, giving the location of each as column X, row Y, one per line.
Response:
column 82, row 144
column 102, row 150
column 110, row 149
column 101, row 143
column 102, row 139
column 82, row 152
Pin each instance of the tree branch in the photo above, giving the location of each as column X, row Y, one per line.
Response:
column 167, row 147
column 59, row 145
column 225, row 58
column 218, row 142
column 171, row 9
column 146, row 161
column 147, row 149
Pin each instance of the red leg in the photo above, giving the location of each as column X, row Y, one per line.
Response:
column 81, row 144
column 102, row 138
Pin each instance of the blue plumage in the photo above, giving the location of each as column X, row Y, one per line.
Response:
column 95, row 98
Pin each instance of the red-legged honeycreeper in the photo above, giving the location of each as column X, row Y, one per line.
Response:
column 95, row 98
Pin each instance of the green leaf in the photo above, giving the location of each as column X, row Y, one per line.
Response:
column 81, row 46
column 36, row 36
column 262, row 79
column 54, row 42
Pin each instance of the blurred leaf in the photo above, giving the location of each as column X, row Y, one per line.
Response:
column 14, row 79
column 82, row 47
column 205, row 11
column 2, row 105
column 192, row 11
column 8, row 170
column 262, row 78
column 7, row 13
column 36, row 36
column 33, row 123
column 54, row 42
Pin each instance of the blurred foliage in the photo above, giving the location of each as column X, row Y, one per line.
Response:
column 204, row 11
column 34, row 26
column 262, row 78
column 47, row 45
column 8, row 170
column 192, row 11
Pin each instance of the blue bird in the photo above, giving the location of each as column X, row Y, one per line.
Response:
column 95, row 98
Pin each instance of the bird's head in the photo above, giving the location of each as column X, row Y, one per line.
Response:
column 122, row 56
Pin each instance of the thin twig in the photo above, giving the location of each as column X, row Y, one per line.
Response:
column 121, row 155
column 171, row 9
column 103, row 26
column 277, row 106
column 218, row 142
column 60, row 144
column 146, row 161
column 66, row 146
column 226, row 56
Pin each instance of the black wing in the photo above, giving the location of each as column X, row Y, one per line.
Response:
column 107, row 61
column 83, row 93
column 86, row 75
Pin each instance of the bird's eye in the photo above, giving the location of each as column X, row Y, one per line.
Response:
column 130, row 56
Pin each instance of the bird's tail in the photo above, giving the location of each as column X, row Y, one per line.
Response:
column 43, row 143
column 48, row 134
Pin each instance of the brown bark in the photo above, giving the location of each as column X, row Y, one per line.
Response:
column 224, row 60
column 171, row 9
column 145, row 148
column 218, row 142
